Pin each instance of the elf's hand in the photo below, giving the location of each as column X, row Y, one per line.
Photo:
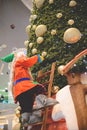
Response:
column 42, row 58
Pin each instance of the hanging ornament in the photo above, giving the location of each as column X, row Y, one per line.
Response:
column 40, row 40
column 28, row 29
column 51, row 1
column 40, row 30
column 72, row 35
column 44, row 53
column 26, row 43
column 34, row 51
column 39, row 3
column 31, row 45
column 71, row 22
column 60, row 69
column 59, row 15
column 72, row 3
column 53, row 32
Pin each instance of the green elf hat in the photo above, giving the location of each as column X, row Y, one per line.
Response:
column 8, row 58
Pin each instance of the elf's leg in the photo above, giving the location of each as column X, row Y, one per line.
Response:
column 26, row 101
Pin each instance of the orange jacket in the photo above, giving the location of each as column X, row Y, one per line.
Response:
column 21, row 71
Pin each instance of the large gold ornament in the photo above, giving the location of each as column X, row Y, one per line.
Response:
column 40, row 30
column 72, row 35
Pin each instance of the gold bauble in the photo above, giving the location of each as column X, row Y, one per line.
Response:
column 31, row 45
column 60, row 69
column 26, row 43
column 40, row 30
column 34, row 51
column 72, row 35
column 28, row 29
column 59, row 15
column 72, row 3
column 17, row 113
column 34, row 27
column 71, row 22
column 39, row 3
column 40, row 40
column 55, row 89
column 44, row 53
column 53, row 32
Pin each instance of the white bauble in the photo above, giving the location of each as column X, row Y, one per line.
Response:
column 72, row 35
column 44, row 53
column 34, row 51
column 59, row 15
column 83, row 78
column 71, row 22
column 40, row 40
column 40, row 30
column 31, row 45
column 72, row 3
column 39, row 3
column 60, row 69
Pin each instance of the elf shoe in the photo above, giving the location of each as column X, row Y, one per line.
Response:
column 43, row 101
column 25, row 118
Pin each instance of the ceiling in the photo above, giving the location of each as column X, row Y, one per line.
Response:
column 14, row 17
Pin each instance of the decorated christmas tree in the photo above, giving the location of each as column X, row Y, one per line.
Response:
column 57, row 31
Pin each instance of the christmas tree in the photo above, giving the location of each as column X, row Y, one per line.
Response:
column 57, row 31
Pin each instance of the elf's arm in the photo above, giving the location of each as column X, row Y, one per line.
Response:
column 29, row 62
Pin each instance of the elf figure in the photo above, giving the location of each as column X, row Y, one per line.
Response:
column 24, row 88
